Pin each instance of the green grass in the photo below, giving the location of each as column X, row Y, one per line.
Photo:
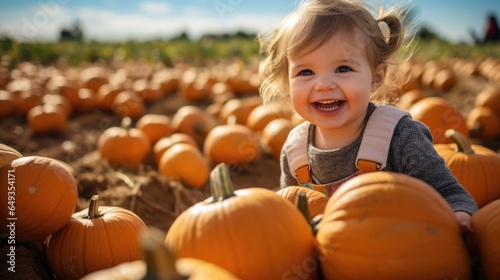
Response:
column 195, row 52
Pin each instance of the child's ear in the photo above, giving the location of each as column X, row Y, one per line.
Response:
column 378, row 76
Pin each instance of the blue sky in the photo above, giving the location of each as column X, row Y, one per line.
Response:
column 35, row 20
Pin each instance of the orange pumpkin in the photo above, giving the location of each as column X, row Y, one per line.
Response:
column 439, row 115
column 240, row 108
column 165, row 143
column 475, row 167
column 489, row 97
column 86, row 101
column 45, row 195
column 95, row 238
column 58, row 100
column 106, row 95
column 274, row 135
column 47, row 118
column 128, row 104
column 407, row 99
column 160, row 263
column 264, row 113
column 384, row 225
column 8, row 154
column 232, row 144
column 124, row 146
column 485, row 242
column 184, row 162
column 193, row 121
column 155, row 126
column 257, row 245
column 8, row 103
column 483, row 122
column 316, row 200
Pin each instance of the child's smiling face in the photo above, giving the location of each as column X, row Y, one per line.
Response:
column 331, row 85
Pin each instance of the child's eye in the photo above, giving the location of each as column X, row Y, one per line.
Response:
column 342, row 69
column 306, row 72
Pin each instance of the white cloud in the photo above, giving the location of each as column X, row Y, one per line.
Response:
column 152, row 7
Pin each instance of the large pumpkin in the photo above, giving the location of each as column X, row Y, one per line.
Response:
column 475, row 167
column 439, row 115
column 251, row 232
column 384, row 225
column 95, row 238
column 160, row 263
column 38, row 196
column 485, row 241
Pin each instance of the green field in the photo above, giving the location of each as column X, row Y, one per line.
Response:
column 196, row 52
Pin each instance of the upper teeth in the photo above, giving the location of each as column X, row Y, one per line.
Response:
column 327, row 101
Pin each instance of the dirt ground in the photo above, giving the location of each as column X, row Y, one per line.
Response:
column 152, row 196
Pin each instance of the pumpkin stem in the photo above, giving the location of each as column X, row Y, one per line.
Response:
column 463, row 144
column 94, row 207
column 160, row 261
column 220, row 183
column 302, row 205
column 126, row 122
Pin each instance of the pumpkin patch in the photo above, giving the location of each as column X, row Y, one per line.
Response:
column 147, row 137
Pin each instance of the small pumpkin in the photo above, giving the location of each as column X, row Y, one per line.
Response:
column 238, row 107
column 485, row 242
column 193, row 121
column 407, row 99
column 274, row 135
column 8, row 154
column 47, row 118
column 165, row 143
column 257, row 244
column 371, row 230
column 184, row 162
column 124, row 146
column 45, row 195
column 160, row 263
column 95, row 238
column 264, row 113
column 316, row 200
column 155, row 126
column 475, row 167
column 128, row 104
column 489, row 97
column 439, row 115
column 232, row 144
column 483, row 123
column 8, row 103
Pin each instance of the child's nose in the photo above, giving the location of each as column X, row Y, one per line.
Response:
column 325, row 82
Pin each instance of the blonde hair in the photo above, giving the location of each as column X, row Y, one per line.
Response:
column 314, row 23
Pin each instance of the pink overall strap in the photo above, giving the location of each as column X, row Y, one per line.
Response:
column 296, row 151
column 374, row 149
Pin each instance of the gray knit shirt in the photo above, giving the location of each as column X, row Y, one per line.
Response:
column 411, row 152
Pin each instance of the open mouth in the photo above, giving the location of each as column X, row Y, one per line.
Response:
column 329, row 105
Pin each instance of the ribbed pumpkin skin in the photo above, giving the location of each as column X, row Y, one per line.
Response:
column 45, row 197
column 316, row 200
column 384, row 225
column 232, row 144
column 478, row 173
column 486, row 224
column 87, row 245
column 255, row 235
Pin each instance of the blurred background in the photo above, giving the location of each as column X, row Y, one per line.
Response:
column 114, row 20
